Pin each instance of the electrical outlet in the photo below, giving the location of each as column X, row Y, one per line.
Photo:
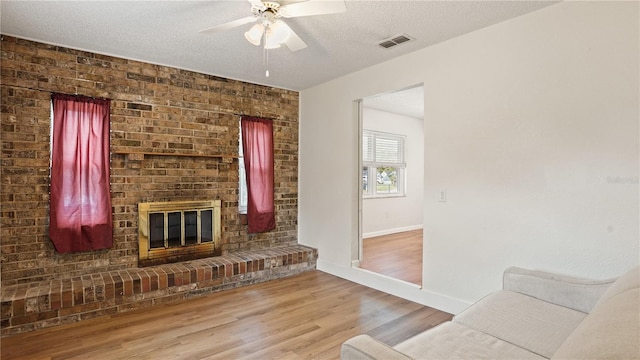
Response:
column 442, row 196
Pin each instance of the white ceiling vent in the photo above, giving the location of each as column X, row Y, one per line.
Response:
column 395, row 40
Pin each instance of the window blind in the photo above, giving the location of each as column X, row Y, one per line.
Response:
column 382, row 149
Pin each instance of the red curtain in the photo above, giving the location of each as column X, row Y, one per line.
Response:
column 80, row 214
column 257, row 144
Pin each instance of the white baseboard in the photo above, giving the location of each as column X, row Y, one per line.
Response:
column 391, row 231
column 405, row 290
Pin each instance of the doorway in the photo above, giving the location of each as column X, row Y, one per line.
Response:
column 392, row 182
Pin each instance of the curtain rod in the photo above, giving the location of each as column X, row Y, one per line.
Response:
column 80, row 95
column 257, row 116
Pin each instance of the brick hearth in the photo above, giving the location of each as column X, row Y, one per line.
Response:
column 26, row 307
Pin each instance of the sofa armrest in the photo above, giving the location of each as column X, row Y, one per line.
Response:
column 364, row 347
column 575, row 293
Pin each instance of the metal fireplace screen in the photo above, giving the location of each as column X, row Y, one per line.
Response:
column 178, row 231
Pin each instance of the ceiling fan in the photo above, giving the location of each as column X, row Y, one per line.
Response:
column 269, row 25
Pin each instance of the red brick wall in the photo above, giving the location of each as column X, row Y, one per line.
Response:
column 154, row 109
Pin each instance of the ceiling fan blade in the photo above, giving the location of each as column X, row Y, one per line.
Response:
column 229, row 25
column 313, row 7
column 257, row 4
column 293, row 42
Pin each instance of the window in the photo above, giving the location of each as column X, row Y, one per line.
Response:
column 257, row 146
column 242, row 197
column 80, row 202
column 383, row 164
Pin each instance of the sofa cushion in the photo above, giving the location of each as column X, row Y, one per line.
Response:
column 455, row 341
column 366, row 347
column 524, row 321
column 611, row 331
column 629, row 280
column 568, row 291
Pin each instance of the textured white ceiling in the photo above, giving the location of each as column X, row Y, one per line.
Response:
column 167, row 33
column 407, row 102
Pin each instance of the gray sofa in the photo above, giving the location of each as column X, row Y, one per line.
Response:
column 536, row 315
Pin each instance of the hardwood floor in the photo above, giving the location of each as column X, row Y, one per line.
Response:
column 396, row 255
column 303, row 317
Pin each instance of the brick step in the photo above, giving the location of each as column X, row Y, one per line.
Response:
column 31, row 306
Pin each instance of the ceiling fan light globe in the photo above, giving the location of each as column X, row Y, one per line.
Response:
column 254, row 35
column 279, row 32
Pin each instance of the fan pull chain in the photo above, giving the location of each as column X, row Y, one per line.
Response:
column 265, row 56
column 266, row 61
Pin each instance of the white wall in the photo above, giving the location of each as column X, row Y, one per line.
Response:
column 388, row 215
column 532, row 127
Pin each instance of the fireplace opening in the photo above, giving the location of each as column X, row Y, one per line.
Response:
column 178, row 231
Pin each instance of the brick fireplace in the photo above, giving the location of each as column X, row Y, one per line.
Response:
column 174, row 137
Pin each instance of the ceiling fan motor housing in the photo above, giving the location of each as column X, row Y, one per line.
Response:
column 270, row 10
